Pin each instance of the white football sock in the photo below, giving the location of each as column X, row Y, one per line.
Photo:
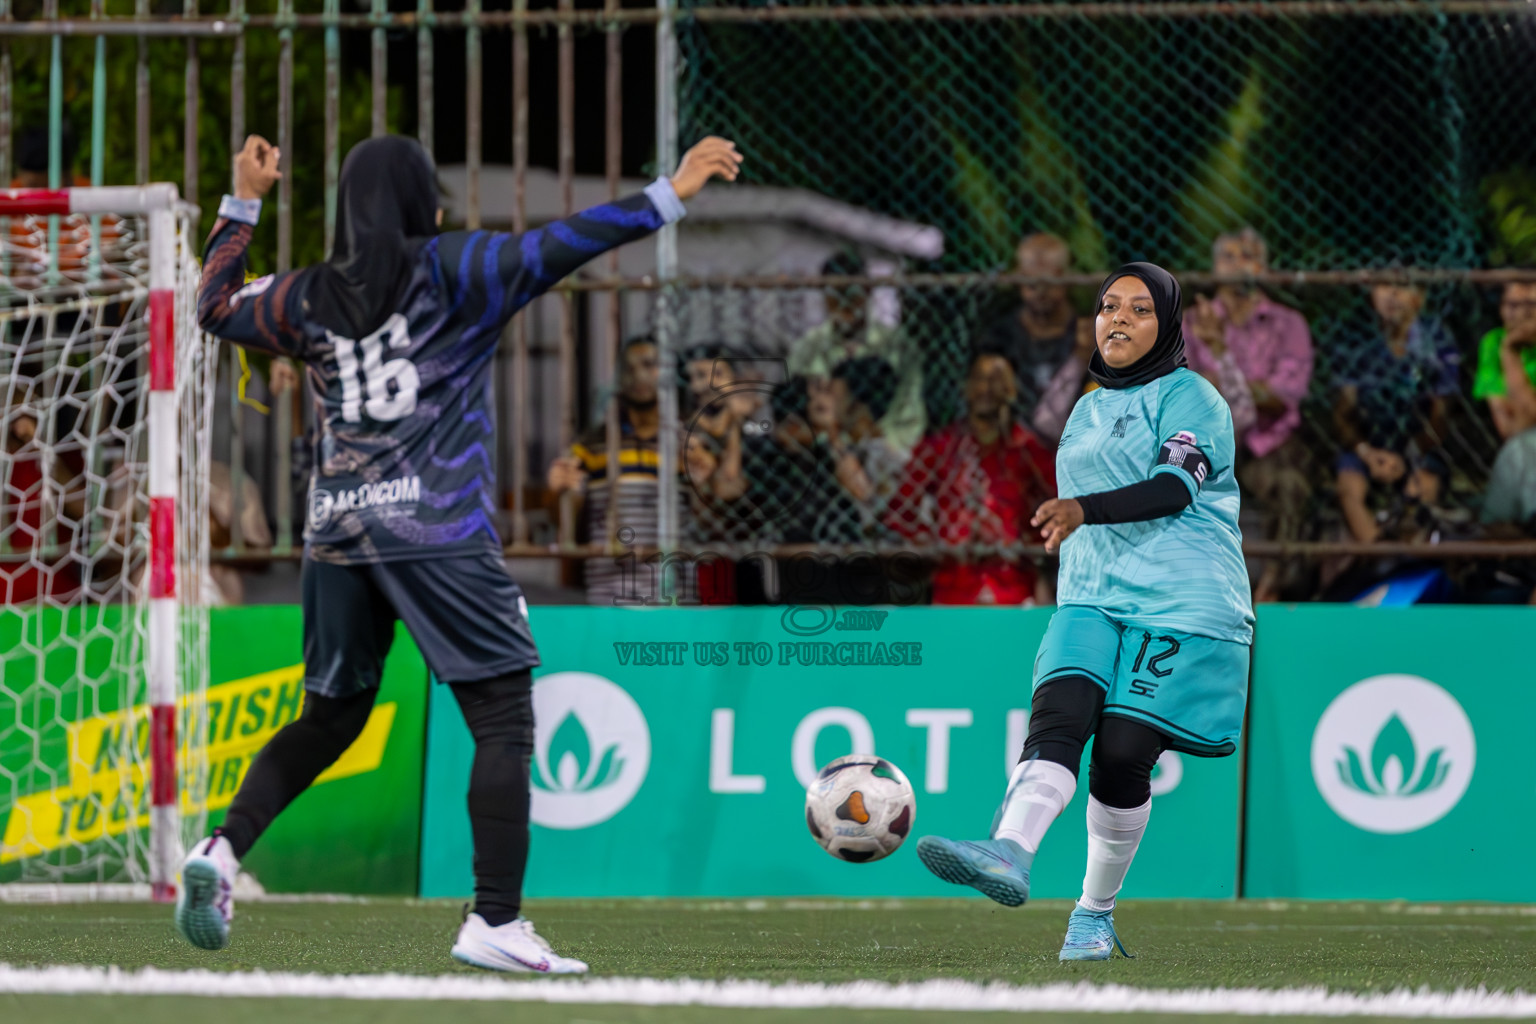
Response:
column 1037, row 793
column 1113, row 836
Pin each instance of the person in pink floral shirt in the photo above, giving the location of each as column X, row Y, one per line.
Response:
column 1258, row 354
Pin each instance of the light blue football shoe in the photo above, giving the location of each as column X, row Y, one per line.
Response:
column 997, row 868
column 1091, row 936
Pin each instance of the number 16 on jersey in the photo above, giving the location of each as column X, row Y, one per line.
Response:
column 376, row 374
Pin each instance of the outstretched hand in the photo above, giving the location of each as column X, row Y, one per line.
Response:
column 256, row 168
column 565, row 474
column 713, row 157
column 1056, row 520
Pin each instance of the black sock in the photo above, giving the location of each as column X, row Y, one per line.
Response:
column 499, row 713
column 290, row 761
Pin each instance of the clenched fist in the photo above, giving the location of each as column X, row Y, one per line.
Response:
column 256, row 168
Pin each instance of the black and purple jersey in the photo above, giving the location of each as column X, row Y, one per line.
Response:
column 406, row 466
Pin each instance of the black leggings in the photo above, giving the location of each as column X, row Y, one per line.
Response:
column 1065, row 713
column 499, row 713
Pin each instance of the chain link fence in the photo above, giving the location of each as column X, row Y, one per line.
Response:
column 836, row 320
column 1364, row 165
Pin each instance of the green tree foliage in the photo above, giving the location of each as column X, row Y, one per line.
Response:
column 167, row 68
column 1511, row 217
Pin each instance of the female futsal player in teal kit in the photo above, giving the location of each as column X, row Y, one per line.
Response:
column 1148, row 650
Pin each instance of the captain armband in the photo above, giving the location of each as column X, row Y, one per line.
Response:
column 1179, row 451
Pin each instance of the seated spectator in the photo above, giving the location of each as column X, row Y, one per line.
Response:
column 771, row 477
column 830, row 470
column 1509, row 513
column 224, row 584
column 716, row 401
column 1406, row 509
column 42, row 508
column 715, row 482
column 1511, row 496
column 978, row 481
column 824, row 476
column 846, row 411
column 29, row 235
column 584, row 473
column 849, row 332
column 1258, row 354
column 1506, row 363
column 1044, row 340
column 1390, row 408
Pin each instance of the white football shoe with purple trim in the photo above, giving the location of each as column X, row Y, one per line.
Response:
column 205, row 897
column 514, row 946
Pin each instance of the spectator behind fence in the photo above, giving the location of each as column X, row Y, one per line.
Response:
column 1511, row 496
column 586, row 470
column 716, row 417
column 1509, row 513
column 716, row 403
column 29, row 235
column 224, row 584
column 846, row 411
column 850, row 332
column 1044, row 340
column 978, row 481
column 1390, row 409
column 1258, row 354
column 1506, row 363
column 825, row 475
column 850, row 466
column 40, row 518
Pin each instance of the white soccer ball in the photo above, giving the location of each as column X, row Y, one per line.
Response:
column 860, row 808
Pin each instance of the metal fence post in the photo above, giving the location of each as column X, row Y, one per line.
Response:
column 380, row 70
column 521, row 390
column 667, row 342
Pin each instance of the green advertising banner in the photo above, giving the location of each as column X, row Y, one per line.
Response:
column 358, row 829
column 674, row 747
column 65, row 798
column 1388, row 749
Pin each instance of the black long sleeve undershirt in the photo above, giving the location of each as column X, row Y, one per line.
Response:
column 1153, row 498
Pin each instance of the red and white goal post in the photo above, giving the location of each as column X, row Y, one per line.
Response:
column 104, row 503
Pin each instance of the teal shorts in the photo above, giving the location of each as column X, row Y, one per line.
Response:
column 1192, row 689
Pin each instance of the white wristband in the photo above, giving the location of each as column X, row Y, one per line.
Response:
column 246, row 211
column 664, row 197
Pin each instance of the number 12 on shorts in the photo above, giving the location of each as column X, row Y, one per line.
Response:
column 376, row 374
column 1144, row 688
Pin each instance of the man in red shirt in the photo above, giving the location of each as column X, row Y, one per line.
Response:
column 978, row 481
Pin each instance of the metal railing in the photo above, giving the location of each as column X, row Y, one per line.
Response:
column 504, row 34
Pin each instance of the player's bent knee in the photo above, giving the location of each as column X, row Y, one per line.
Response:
column 1122, row 785
column 499, row 710
column 1124, row 754
column 1062, row 716
column 341, row 719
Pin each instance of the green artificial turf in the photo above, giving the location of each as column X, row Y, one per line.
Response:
column 1343, row 947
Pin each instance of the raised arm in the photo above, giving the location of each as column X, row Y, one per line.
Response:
column 530, row 264
column 256, row 315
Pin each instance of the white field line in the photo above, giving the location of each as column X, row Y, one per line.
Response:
column 1082, row 997
column 84, row 892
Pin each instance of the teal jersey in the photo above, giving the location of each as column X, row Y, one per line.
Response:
column 1183, row 572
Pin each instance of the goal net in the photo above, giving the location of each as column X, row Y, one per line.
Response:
column 106, row 390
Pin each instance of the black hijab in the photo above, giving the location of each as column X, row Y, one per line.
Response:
column 1167, row 352
column 387, row 197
